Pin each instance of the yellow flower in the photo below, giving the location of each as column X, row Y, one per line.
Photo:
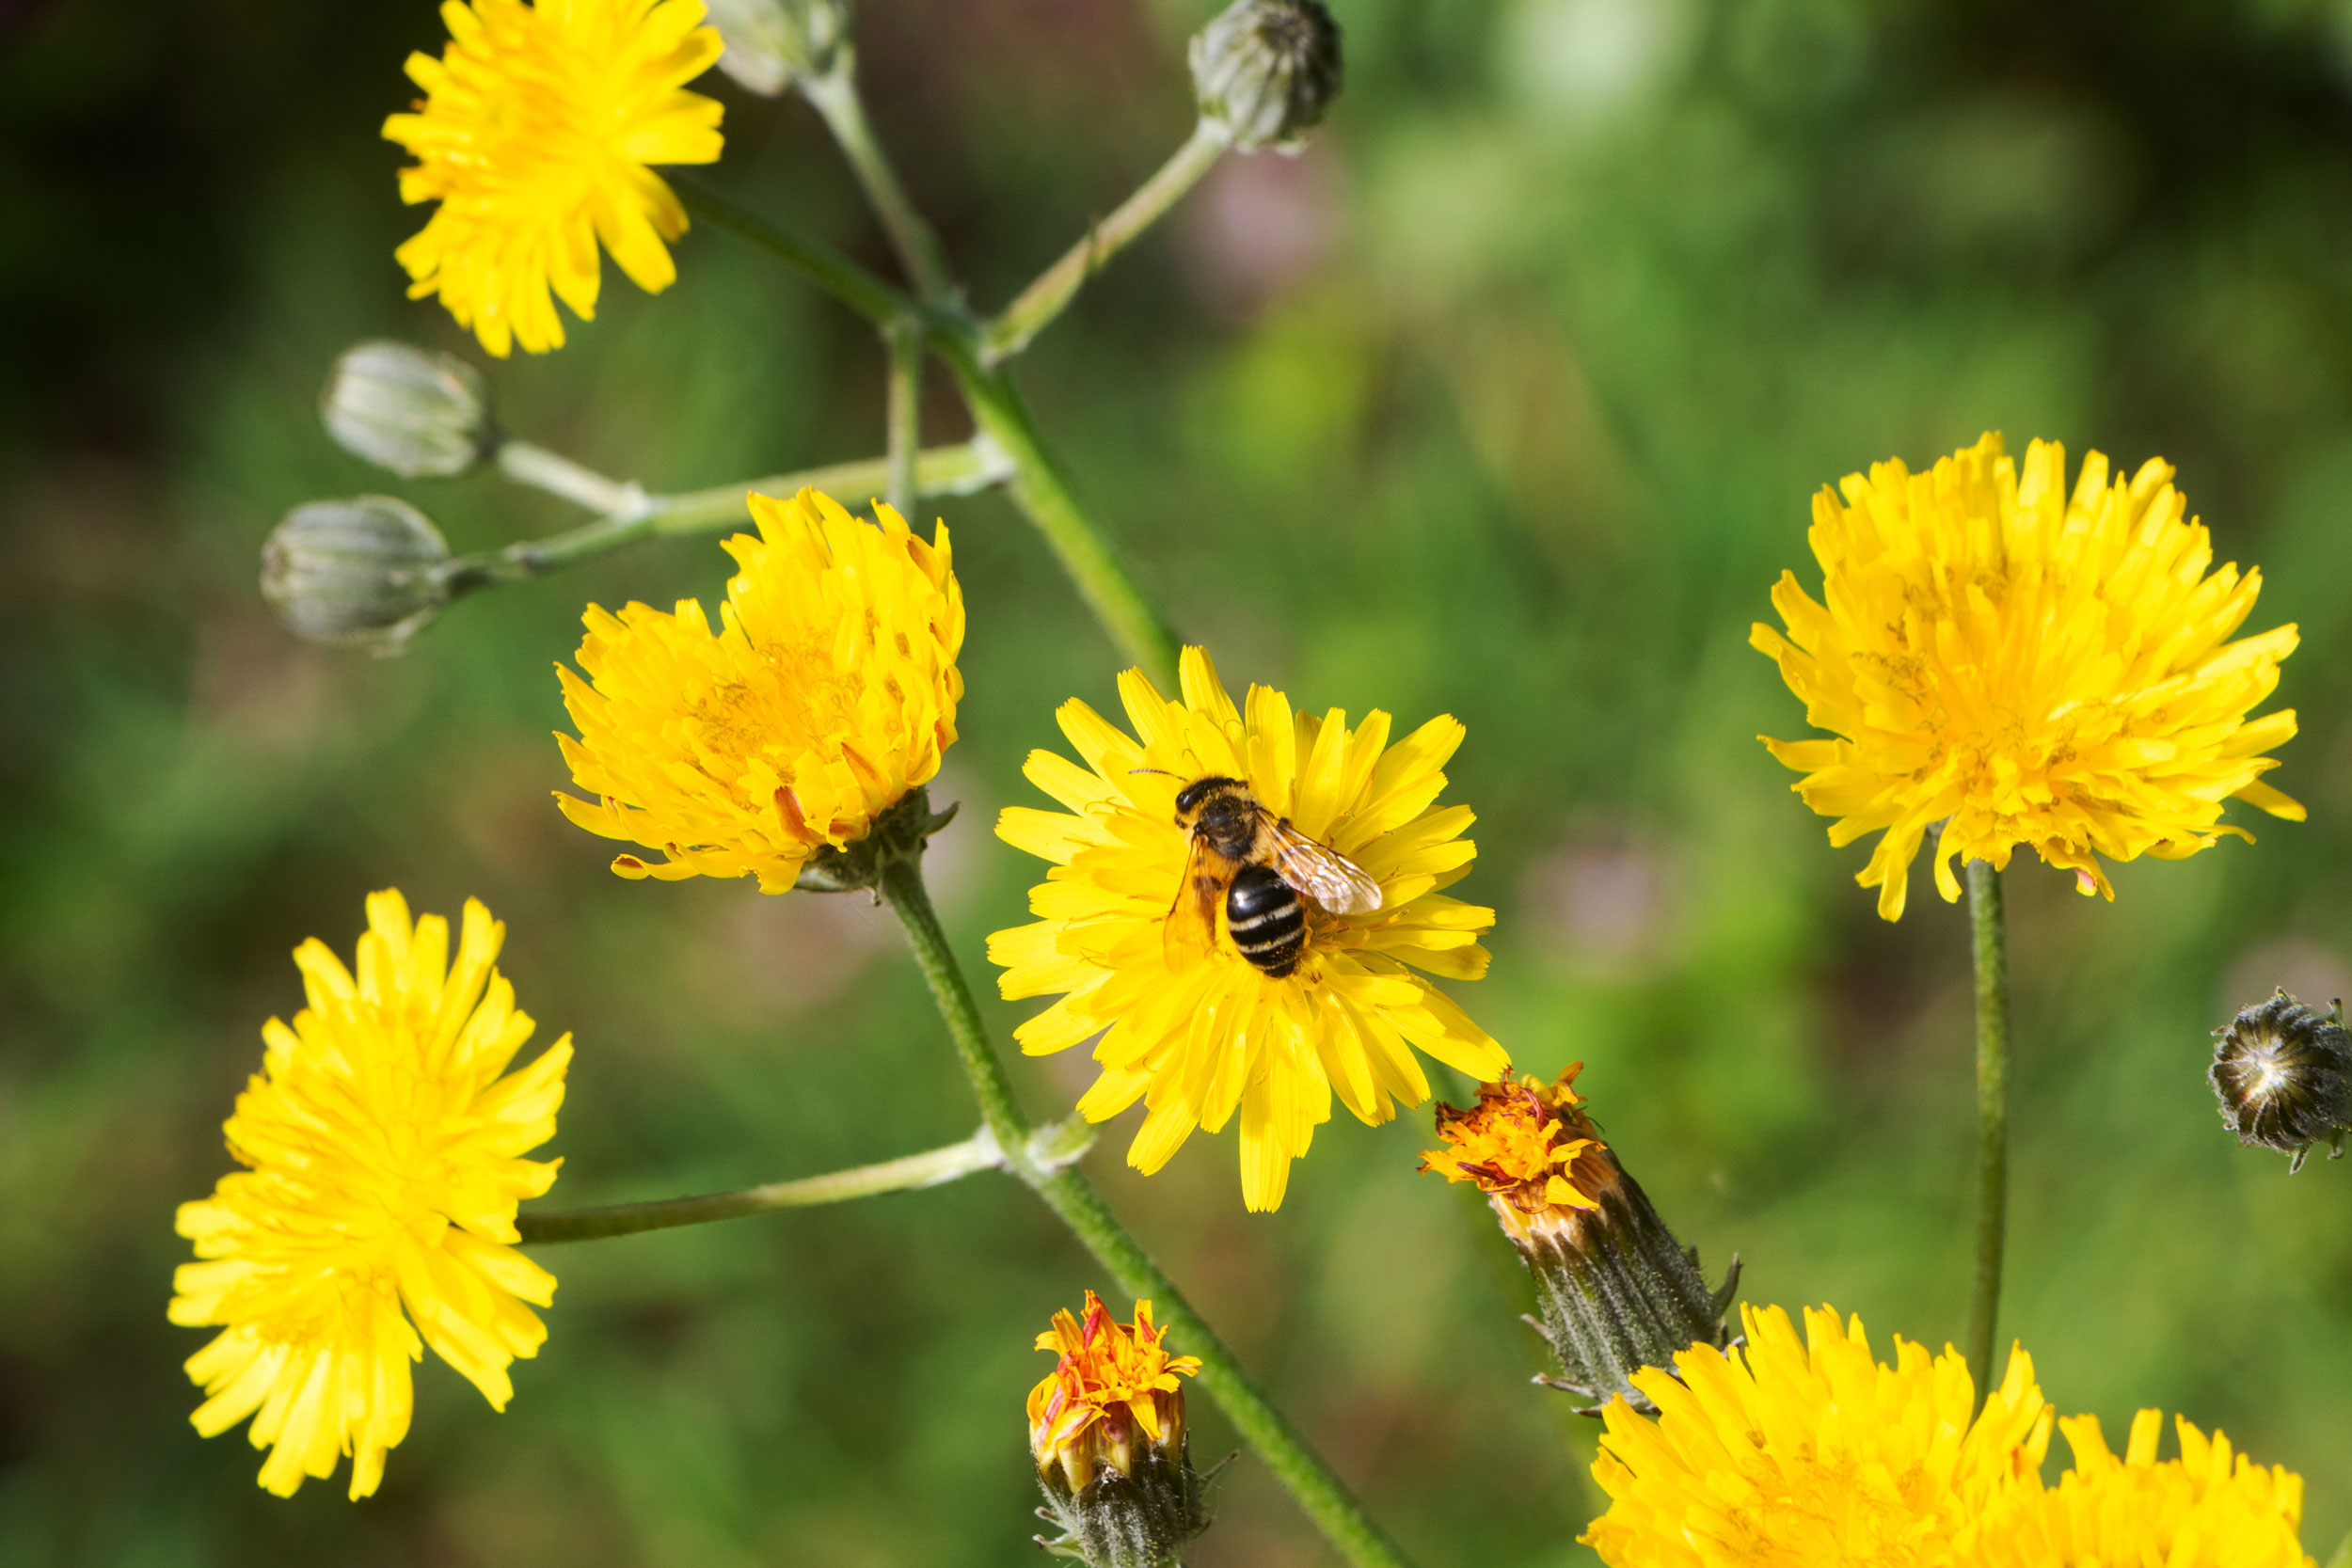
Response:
column 2202, row 1510
column 1200, row 1036
column 2024, row 668
column 1782, row 1455
column 827, row 692
column 1526, row 1144
column 1112, row 1381
column 384, row 1151
column 534, row 134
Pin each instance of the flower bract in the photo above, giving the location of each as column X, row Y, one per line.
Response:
column 382, row 1138
column 1199, row 1035
column 2206, row 1508
column 2024, row 668
column 826, row 693
column 1795, row 1454
column 537, row 134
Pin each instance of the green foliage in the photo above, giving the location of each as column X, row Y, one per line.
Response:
column 1506, row 401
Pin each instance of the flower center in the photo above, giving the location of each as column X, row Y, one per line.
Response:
column 751, row 733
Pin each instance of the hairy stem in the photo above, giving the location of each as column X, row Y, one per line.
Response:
column 1990, row 946
column 957, row 470
column 834, row 95
column 905, row 412
column 1058, row 285
column 929, row 1169
column 1074, row 1201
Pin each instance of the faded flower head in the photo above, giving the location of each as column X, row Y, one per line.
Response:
column 1615, row 1290
column 537, row 134
column 2283, row 1074
column 1201, row 1035
column 362, row 572
column 384, row 1138
column 1265, row 70
column 824, row 697
column 770, row 42
column 1781, row 1453
column 2024, row 668
column 2206, row 1508
column 1106, row 1429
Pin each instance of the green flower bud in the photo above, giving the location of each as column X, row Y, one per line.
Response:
column 770, row 42
column 1264, row 70
column 360, row 572
column 412, row 410
column 2284, row 1077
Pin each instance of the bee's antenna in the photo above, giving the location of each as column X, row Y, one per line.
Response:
column 1160, row 770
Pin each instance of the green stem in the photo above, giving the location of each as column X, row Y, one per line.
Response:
column 1074, row 1199
column 903, row 416
column 1990, row 946
column 1043, row 491
column 834, row 95
column 929, row 1169
column 1058, row 285
column 820, row 263
column 2343, row 1557
column 957, row 470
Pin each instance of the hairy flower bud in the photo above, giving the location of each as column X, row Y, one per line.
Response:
column 2284, row 1077
column 1618, row 1292
column 770, row 42
column 358, row 571
column 1106, row 1429
column 1265, row 70
column 412, row 410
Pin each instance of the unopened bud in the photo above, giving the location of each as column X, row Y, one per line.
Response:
column 2284, row 1077
column 1106, row 1429
column 358, row 571
column 1617, row 1292
column 770, row 42
column 1264, row 70
column 409, row 409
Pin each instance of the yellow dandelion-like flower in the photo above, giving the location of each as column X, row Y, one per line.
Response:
column 535, row 135
column 383, row 1148
column 1785, row 1455
column 827, row 692
column 1201, row 1033
column 2024, row 668
column 2203, row 1510
column 1113, row 1381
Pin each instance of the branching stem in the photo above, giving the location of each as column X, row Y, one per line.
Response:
column 834, row 96
column 1074, row 1199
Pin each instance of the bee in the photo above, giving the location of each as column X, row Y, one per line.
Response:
column 1259, row 865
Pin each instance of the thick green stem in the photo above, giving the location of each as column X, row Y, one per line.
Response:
column 929, row 1169
column 1074, row 1199
column 1990, row 945
column 1043, row 492
column 904, row 412
column 1058, row 285
column 836, row 98
column 957, row 470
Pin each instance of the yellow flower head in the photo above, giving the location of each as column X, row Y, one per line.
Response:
column 2024, row 668
column 1527, row 1145
column 827, row 692
column 383, row 1148
column 1783, row 1456
column 1201, row 1033
column 2202, row 1510
column 534, row 134
column 1112, row 1381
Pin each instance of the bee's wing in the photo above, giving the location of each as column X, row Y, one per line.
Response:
column 1325, row 875
column 1190, row 932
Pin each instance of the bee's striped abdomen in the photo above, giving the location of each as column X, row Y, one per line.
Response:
column 1266, row 921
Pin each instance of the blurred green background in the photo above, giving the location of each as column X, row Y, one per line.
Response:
column 1505, row 400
